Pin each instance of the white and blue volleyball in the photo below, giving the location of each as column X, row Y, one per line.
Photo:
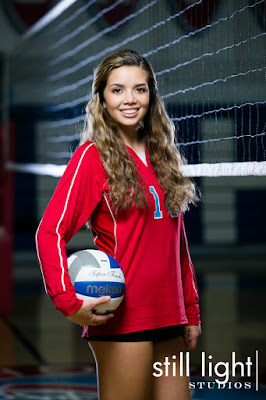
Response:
column 95, row 274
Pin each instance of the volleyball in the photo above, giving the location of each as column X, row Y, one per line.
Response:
column 94, row 274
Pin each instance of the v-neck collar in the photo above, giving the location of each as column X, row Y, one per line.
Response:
column 136, row 156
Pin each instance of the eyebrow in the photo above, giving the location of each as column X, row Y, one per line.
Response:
column 137, row 85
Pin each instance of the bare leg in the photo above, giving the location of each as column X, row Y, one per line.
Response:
column 170, row 387
column 124, row 369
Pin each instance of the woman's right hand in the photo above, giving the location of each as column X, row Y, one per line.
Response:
column 84, row 315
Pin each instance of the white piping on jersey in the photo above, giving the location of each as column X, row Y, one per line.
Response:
column 38, row 256
column 94, row 232
column 62, row 216
column 190, row 263
column 115, row 225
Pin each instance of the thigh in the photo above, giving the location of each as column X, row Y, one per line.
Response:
column 171, row 382
column 124, row 369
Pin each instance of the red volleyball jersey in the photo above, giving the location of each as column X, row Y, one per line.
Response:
column 149, row 244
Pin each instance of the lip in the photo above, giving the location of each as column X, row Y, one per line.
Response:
column 129, row 112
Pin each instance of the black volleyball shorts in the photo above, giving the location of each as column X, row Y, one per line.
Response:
column 155, row 335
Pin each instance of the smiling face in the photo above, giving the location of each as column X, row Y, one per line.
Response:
column 126, row 97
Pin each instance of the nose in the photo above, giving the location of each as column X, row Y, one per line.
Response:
column 129, row 97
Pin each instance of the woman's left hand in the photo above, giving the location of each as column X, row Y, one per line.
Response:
column 191, row 334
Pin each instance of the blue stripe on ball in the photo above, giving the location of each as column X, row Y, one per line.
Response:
column 113, row 262
column 98, row 289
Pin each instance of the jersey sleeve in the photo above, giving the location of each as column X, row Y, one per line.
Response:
column 77, row 194
column 190, row 289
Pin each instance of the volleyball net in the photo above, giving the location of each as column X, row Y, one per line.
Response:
column 209, row 60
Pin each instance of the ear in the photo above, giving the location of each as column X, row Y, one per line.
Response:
column 104, row 105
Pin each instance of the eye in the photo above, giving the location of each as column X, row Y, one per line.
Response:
column 116, row 90
column 141, row 90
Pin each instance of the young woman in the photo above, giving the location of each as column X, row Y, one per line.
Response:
column 125, row 182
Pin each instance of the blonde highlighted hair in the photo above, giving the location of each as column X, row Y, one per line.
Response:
column 157, row 130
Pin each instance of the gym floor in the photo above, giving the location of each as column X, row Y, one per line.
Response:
column 42, row 355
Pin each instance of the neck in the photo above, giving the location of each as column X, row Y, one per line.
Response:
column 133, row 141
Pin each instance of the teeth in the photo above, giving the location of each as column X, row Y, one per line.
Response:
column 129, row 111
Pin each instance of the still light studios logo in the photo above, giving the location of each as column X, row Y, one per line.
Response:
column 231, row 374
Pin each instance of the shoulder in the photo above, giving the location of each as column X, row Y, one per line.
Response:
column 87, row 154
column 86, row 150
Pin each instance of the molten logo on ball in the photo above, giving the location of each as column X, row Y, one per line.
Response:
column 108, row 289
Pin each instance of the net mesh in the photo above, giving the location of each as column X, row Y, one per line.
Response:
column 209, row 59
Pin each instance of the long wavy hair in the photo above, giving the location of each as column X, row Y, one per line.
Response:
column 157, row 131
